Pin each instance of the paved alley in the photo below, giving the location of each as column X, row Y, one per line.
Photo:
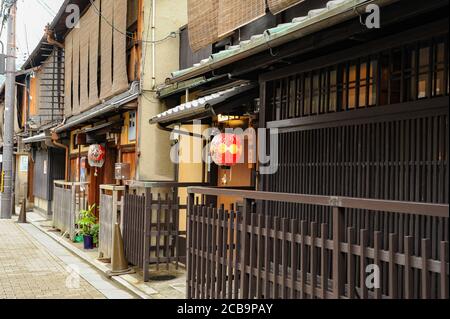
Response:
column 34, row 266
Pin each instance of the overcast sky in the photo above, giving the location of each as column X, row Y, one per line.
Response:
column 32, row 16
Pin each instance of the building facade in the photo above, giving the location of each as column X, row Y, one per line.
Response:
column 356, row 112
column 275, row 148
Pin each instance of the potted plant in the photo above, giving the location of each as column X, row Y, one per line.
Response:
column 94, row 233
column 86, row 223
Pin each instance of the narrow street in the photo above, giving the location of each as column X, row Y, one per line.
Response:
column 34, row 266
column 207, row 150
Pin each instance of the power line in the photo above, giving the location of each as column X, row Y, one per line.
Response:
column 129, row 35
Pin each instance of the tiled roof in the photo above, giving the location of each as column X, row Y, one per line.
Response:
column 200, row 105
column 112, row 105
column 36, row 139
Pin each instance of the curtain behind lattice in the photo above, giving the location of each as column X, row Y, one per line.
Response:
column 276, row 6
column 76, row 71
column 93, row 30
column 68, row 52
column 202, row 23
column 234, row 14
column 84, row 64
column 106, row 48
column 120, row 76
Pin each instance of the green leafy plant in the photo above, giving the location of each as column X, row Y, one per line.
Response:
column 94, row 233
column 87, row 221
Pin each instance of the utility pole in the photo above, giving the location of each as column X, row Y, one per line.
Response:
column 7, row 205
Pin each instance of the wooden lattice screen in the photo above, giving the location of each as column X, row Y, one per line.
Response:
column 203, row 23
column 87, row 62
column 234, row 14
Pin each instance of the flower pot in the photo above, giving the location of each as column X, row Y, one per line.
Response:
column 88, row 242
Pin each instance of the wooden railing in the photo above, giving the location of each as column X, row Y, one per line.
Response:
column 363, row 248
column 68, row 199
column 109, row 215
column 151, row 224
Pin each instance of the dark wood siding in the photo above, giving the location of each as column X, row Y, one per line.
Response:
column 371, row 127
column 57, row 168
column 43, row 183
column 256, row 27
column 269, row 20
column 187, row 57
column 40, row 187
column 405, row 160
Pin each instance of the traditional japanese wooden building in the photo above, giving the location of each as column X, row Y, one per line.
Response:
column 101, row 90
column 360, row 115
column 41, row 108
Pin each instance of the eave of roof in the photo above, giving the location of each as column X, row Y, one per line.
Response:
column 200, row 105
column 335, row 12
column 114, row 104
column 60, row 28
column 36, row 139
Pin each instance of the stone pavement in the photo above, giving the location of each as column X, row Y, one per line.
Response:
column 172, row 288
column 33, row 266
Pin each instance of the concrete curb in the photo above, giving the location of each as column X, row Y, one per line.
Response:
column 101, row 268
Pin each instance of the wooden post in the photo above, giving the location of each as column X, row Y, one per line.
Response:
column 191, row 200
column 393, row 238
column 147, row 229
column 115, row 196
column 377, row 261
column 113, row 216
column 338, row 235
column 122, row 211
column 426, row 247
column 244, row 244
column 73, row 213
column 444, row 277
column 363, row 263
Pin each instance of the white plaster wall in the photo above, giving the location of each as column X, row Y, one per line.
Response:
column 154, row 144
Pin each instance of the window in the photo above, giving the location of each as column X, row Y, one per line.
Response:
column 409, row 76
column 132, row 127
column 439, row 70
column 424, row 62
column 408, row 73
column 332, row 101
column 307, row 105
column 367, row 88
column 316, row 93
column 349, row 87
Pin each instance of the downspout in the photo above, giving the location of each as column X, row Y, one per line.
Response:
column 27, row 88
column 153, row 44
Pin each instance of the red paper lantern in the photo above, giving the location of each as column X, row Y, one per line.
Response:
column 96, row 155
column 226, row 149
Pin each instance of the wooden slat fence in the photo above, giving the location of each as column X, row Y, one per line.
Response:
column 151, row 230
column 68, row 200
column 245, row 254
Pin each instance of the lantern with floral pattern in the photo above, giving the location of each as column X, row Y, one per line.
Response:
column 226, row 149
column 96, row 156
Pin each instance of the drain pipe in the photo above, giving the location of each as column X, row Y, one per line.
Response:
column 153, row 44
